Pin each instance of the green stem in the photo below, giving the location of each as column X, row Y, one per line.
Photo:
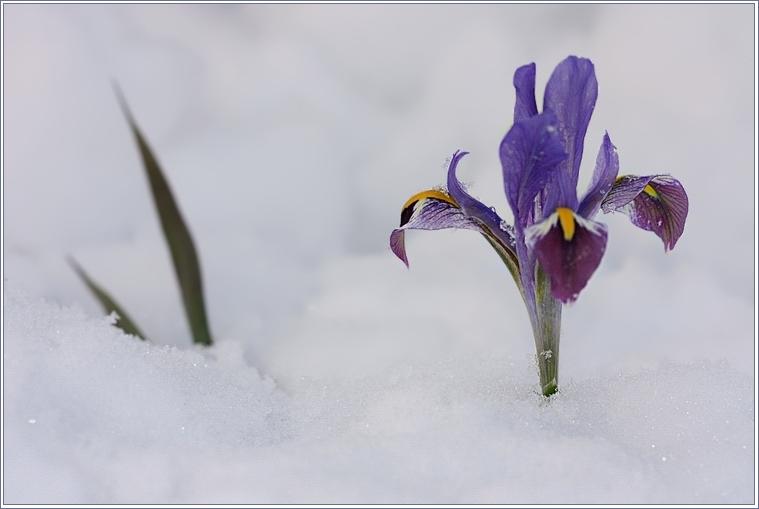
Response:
column 547, row 330
column 545, row 316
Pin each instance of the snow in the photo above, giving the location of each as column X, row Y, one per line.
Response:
column 206, row 427
column 292, row 135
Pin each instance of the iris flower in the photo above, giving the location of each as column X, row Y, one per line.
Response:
column 555, row 244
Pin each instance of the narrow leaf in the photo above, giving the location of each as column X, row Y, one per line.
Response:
column 177, row 235
column 123, row 321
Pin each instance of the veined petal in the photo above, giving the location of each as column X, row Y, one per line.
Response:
column 607, row 167
column 569, row 249
column 571, row 94
column 475, row 208
column 524, row 85
column 530, row 155
column 428, row 210
column 657, row 203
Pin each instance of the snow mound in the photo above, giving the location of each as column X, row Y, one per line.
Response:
column 94, row 416
column 82, row 399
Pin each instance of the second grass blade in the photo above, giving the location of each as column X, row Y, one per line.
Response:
column 123, row 321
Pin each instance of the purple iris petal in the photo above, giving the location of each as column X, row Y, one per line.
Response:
column 524, row 85
column 530, row 155
column 475, row 208
column 569, row 262
column 558, row 192
column 607, row 167
column 571, row 94
column 624, row 191
column 657, row 203
column 428, row 214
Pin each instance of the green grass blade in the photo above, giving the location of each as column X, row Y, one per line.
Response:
column 177, row 235
column 123, row 321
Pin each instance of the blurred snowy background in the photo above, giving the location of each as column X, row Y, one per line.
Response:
column 292, row 134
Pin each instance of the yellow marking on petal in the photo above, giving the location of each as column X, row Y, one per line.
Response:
column 430, row 193
column 567, row 221
column 650, row 191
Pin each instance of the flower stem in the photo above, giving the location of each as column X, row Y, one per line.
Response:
column 548, row 366
column 547, row 330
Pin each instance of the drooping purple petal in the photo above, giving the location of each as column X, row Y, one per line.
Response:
column 607, row 167
column 475, row 208
column 571, row 94
column 530, row 155
column 624, row 191
column 524, row 85
column 569, row 254
column 431, row 211
column 657, row 203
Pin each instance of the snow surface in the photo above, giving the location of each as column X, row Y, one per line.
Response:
column 103, row 417
column 292, row 135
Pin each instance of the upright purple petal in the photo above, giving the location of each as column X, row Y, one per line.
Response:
column 475, row 208
column 569, row 251
column 571, row 94
column 530, row 155
column 607, row 167
column 558, row 192
column 524, row 85
column 433, row 210
column 657, row 203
